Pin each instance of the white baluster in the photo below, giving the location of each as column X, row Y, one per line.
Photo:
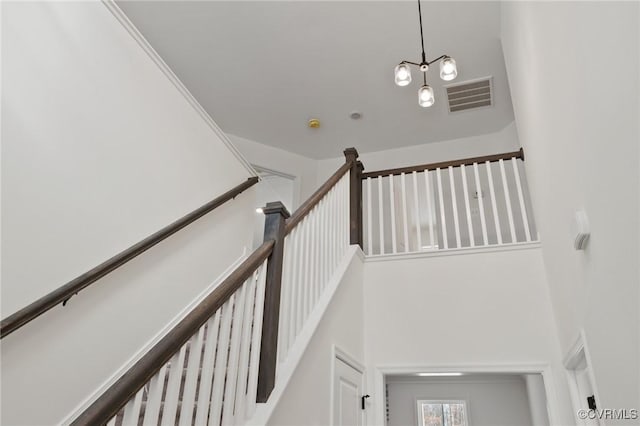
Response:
column 454, row 203
column 322, row 245
column 523, row 210
column 234, row 357
column 112, row 422
column 507, row 200
column 154, row 398
column 333, row 226
column 193, row 370
column 392, row 202
column 302, row 276
column 380, row 214
column 256, row 336
column 404, row 213
column 347, row 215
column 472, row 242
column 328, row 268
column 285, row 297
column 313, row 259
column 480, row 194
column 493, row 203
column 430, row 208
column 369, row 219
column 306, row 290
column 243, row 364
column 132, row 409
column 173, row 388
column 445, row 242
column 207, row 371
column 417, row 204
column 217, row 392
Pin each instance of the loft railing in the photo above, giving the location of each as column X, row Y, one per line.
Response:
column 222, row 357
column 65, row 292
column 474, row 202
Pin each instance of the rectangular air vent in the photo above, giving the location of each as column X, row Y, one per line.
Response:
column 468, row 95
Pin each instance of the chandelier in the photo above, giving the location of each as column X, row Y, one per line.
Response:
column 448, row 71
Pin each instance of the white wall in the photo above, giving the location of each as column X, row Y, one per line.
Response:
column 307, row 398
column 99, row 150
column 491, row 400
column 302, row 169
column 483, row 308
column 574, row 73
column 505, row 140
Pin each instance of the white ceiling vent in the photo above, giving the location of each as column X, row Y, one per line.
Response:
column 470, row 94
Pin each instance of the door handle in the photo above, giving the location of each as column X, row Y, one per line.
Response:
column 363, row 398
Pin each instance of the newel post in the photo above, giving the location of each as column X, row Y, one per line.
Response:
column 275, row 216
column 355, row 196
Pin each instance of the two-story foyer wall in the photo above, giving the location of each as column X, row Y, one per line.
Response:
column 490, row 399
column 99, row 150
column 481, row 309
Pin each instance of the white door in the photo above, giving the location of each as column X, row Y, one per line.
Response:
column 347, row 395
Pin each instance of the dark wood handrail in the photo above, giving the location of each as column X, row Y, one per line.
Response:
column 125, row 388
column 308, row 205
column 63, row 293
column 456, row 163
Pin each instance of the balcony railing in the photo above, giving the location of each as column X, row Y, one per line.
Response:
column 468, row 203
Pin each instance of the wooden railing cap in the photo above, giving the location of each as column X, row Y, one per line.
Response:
column 351, row 154
column 276, row 207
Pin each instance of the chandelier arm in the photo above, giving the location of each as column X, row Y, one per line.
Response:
column 437, row 59
column 424, row 78
column 408, row 62
column 424, row 58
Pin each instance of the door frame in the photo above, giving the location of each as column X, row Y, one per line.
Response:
column 579, row 350
column 378, row 373
column 339, row 354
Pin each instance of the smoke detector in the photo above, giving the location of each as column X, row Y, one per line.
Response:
column 355, row 115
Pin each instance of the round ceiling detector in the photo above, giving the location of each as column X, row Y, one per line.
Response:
column 314, row 123
column 355, row 115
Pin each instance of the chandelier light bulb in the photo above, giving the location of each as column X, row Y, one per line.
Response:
column 448, row 69
column 403, row 74
column 425, row 96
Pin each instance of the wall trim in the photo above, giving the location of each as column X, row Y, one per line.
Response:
column 454, row 252
column 151, row 342
column 286, row 369
column 378, row 372
column 344, row 356
column 124, row 20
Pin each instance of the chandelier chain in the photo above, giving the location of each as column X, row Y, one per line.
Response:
column 424, row 57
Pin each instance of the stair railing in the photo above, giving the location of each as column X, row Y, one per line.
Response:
column 468, row 203
column 63, row 293
column 221, row 359
column 315, row 240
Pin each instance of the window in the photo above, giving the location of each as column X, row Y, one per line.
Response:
column 442, row 413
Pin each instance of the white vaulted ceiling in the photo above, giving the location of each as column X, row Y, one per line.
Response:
column 262, row 69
